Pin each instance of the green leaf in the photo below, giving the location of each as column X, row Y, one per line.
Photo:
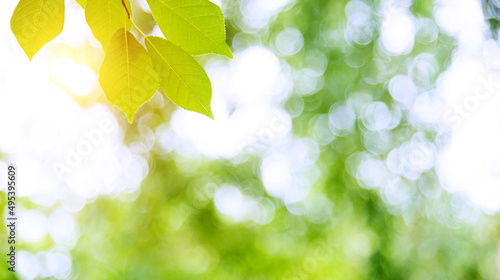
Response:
column 105, row 17
column 82, row 3
column 127, row 76
column 37, row 22
column 183, row 79
column 194, row 25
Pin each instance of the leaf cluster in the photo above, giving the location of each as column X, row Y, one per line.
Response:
column 131, row 74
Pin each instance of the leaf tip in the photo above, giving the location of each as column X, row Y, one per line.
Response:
column 130, row 117
column 228, row 53
column 29, row 54
column 205, row 111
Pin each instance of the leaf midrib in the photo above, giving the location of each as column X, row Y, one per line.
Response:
column 177, row 74
column 109, row 19
column 37, row 20
column 209, row 38
column 128, row 69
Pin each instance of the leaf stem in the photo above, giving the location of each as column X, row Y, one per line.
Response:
column 136, row 27
column 126, row 9
column 133, row 23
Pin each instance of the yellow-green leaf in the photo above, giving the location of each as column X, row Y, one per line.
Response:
column 82, row 3
column 197, row 26
column 105, row 17
column 127, row 76
column 184, row 81
column 37, row 22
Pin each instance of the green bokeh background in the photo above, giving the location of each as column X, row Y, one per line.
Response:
column 172, row 229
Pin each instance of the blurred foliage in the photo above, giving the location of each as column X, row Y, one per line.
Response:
column 173, row 230
column 491, row 10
